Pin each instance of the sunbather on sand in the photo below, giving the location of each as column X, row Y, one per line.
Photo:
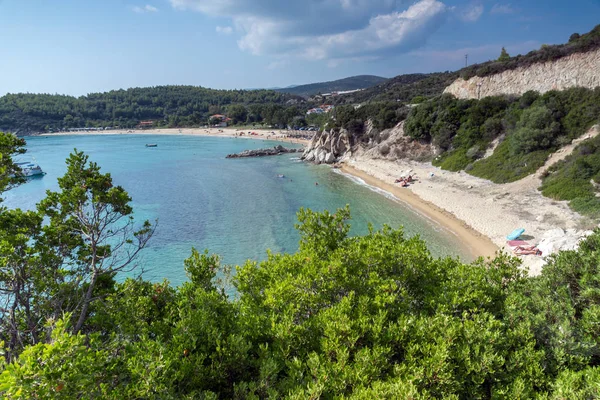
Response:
column 527, row 250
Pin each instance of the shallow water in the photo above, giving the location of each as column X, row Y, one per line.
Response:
column 237, row 208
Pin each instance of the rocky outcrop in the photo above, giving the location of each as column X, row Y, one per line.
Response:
column 556, row 240
column 329, row 147
column 579, row 69
column 275, row 151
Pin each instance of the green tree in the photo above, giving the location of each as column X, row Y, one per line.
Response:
column 504, row 56
column 238, row 113
column 91, row 227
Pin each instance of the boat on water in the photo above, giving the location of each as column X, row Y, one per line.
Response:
column 151, row 145
column 29, row 168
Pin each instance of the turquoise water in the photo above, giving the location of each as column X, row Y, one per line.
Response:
column 237, row 208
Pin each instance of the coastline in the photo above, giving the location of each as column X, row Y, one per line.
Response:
column 477, row 244
column 479, row 211
column 261, row 134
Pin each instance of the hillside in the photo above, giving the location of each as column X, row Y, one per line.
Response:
column 340, row 85
column 165, row 105
column 403, row 88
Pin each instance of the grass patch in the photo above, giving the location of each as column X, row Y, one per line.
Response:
column 571, row 179
column 504, row 166
column 456, row 160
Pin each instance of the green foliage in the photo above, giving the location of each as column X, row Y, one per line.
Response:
column 534, row 125
column 10, row 146
column 536, row 130
column 67, row 367
column 355, row 317
column 461, row 128
column 344, row 317
column 165, row 105
column 504, row 56
column 504, row 166
column 402, row 89
column 576, row 179
column 383, row 115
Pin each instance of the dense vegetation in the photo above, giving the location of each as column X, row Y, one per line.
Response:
column 382, row 115
column 577, row 179
column 402, row 89
column 531, row 127
column 344, row 317
column 577, row 44
column 340, row 85
column 170, row 106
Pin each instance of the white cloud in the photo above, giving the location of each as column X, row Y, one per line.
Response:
column 472, row 13
column 502, row 9
column 145, row 9
column 326, row 29
column 224, row 30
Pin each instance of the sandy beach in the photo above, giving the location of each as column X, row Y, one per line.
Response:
column 480, row 212
column 474, row 242
column 261, row 134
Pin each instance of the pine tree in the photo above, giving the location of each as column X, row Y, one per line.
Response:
column 504, row 56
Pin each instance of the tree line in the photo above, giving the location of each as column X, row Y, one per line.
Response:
column 166, row 106
column 344, row 317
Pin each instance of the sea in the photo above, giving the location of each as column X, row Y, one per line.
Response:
column 237, row 208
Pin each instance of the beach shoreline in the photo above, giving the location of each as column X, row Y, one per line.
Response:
column 479, row 211
column 477, row 244
column 261, row 134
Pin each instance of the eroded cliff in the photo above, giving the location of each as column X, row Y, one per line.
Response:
column 579, row 69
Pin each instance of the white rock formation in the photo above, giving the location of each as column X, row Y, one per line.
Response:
column 579, row 69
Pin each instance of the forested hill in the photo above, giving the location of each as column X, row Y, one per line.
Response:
column 402, row 88
column 165, row 105
column 351, row 83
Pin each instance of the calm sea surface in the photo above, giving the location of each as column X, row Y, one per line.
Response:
column 237, row 208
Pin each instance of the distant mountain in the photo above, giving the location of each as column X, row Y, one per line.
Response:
column 351, row 83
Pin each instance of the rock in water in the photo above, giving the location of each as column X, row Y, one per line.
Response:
column 275, row 151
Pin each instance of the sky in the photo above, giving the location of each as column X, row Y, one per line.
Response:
column 77, row 47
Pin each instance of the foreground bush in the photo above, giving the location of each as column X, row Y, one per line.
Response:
column 356, row 317
column 344, row 317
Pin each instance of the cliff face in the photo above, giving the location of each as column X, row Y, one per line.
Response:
column 333, row 146
column 580, row 69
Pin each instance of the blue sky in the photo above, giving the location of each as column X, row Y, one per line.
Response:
column 82, row 46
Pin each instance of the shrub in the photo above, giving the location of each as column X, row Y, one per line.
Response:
column 571, row 179
column 503, row 166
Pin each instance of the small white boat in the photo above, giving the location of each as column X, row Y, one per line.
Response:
column 29, row 168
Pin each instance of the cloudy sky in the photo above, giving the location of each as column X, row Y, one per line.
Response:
column 81, row 46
